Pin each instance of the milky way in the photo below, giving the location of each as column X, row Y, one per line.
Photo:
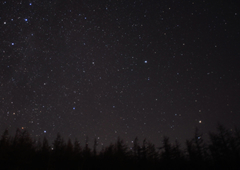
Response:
column 105, row 69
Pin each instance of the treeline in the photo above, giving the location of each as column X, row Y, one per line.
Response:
column 23, row 152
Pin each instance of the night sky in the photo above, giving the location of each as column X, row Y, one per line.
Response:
column 109, row 68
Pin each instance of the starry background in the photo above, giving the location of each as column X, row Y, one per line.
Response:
column 110, row 68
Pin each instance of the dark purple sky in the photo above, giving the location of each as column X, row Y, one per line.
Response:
column 124, row 68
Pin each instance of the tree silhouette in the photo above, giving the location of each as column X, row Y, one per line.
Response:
column 151, row 152
column 166, row 154
column 224, row 147
column 95, row 147
column 5, row 148
column 23, row 152
column 136, row 149
column 57, row 154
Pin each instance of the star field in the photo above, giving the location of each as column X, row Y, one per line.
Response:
column 108, row 68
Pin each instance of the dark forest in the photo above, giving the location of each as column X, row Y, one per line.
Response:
column 22, row 152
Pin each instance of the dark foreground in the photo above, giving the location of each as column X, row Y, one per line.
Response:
column 22, row 152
